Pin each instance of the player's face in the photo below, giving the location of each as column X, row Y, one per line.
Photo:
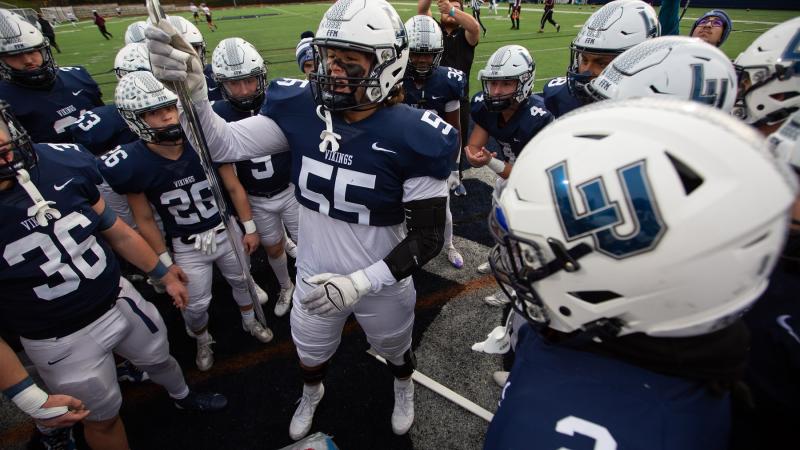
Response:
column 422, row 61
column 308, row 66
column 593, row 63
column 347, row 63
column 24, row 61
column 710, row 30
column 161, row 117
column 241, row 88
column 6, row 153
column 498, row 88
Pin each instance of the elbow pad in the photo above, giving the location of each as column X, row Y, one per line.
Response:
column 425, row 221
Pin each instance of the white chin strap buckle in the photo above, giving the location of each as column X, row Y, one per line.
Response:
column 330, row 140
column 41, row 209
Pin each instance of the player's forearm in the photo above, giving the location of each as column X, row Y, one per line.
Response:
column 128, row 244
column 237, row 141
column 469, row 24
column 424, row 7
column 11, row 370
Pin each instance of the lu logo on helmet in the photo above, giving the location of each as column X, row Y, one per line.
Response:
column 712, row 92
column 602, row 216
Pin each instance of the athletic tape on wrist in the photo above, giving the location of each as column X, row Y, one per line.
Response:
column 496, row 165
column 165, row 259
column 29, row 398
column 249, row 226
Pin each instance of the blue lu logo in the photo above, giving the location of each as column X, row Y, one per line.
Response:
column 602, row 217
column 711, row 92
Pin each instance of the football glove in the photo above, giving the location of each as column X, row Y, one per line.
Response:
column 206, row 242
column 173, row 59
column 334, row 292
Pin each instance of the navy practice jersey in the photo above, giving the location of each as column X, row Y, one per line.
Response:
column 557, row 98
column 46, row 114
column 557, row 397
column 444, row 85
column 363, row 181
column 214, row 90
column 101, row 130
column 58, row 273
column 178, row 189
column 262, row 176
column 528, row 120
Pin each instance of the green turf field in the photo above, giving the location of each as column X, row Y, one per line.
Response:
column 276, row 36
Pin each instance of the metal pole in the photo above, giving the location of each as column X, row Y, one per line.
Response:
column 200, row 145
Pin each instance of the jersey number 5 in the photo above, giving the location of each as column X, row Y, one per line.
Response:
column 344, row 177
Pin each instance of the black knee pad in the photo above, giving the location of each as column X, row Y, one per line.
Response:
column 407, row 368
column 314, row 375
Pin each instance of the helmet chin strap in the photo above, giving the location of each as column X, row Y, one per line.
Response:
column 41, row 208
column 330, row 140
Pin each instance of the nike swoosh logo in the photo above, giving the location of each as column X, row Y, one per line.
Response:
column 77, row 92
column 782, row 321
column 50, row 363
column 212, row 89
column 433, row 97
column 381, row 149
column 58, row 188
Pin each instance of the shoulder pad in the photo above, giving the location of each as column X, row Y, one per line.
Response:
column 427, row 134
column 118, row 167
column 283, row 92
column 554, row 85
column 73, row 156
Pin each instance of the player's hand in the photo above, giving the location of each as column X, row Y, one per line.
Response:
column 478, row 157
column 175, row 283
column 76, row 411
column 453, row 180
column 335, row 292
column 250, row 242
column 444, row 7
column 173, row 59
column 206, row 242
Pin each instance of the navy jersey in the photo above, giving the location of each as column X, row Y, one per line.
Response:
column 178, row 189
column 214, row 90
column 46, row 114
column 526, row 122
column 101, row 130
column 557, row 397
column 444, row 85
column 363, row 181
column 58, row 273
column 262, row 176
column 557, row 97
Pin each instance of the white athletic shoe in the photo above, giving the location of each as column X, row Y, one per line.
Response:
column 500, row 377
column 261, row 295
column 455, row 257
column 485, row 268
column 304, row 414
column 403, row 412
column 499, row 298
column 205, row 356
column 290, row 247
column 257, row 330
column 284, row 301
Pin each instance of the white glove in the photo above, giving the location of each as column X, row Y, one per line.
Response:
column 206, row 242
column 452, row 180
column 173, row 59
column 335, row 292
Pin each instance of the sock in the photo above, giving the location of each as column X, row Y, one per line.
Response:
column 281, row 271
column 248, row 316
column 402, row 383
column 448, row 226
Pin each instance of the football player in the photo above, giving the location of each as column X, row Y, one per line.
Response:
column 62, row 290
column 304, row 53
column 612, row 29
column 372, row 194
column 713, row 27
column 45, row 98
column 431, row 87
column 609, row 233
column 162, row 169
column 674, row 66
column 242, row 76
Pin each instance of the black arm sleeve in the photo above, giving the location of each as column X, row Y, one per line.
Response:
column 425, row 222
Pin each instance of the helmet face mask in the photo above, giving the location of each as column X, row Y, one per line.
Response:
column 138, row 93
column 511, row 62
column 371, row 28
column 19, row 143
column 235, row 60
column 424, row 39
column 18, row 37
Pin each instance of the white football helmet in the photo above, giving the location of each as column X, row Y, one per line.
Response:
column 510, row 62
column 236, row 59
column 612, row 29
column 424, row 37
column 139, row 92
column 190, row 33
column 23, row 156
column 626, row 217
column 769, row 76
column 785, row 143
column 17, row 36
column 131, row 58
column 135, row 32
column 676, row 66
column 368, row 26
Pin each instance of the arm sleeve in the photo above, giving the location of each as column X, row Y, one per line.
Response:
column 236, row 141
column 668, row 17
